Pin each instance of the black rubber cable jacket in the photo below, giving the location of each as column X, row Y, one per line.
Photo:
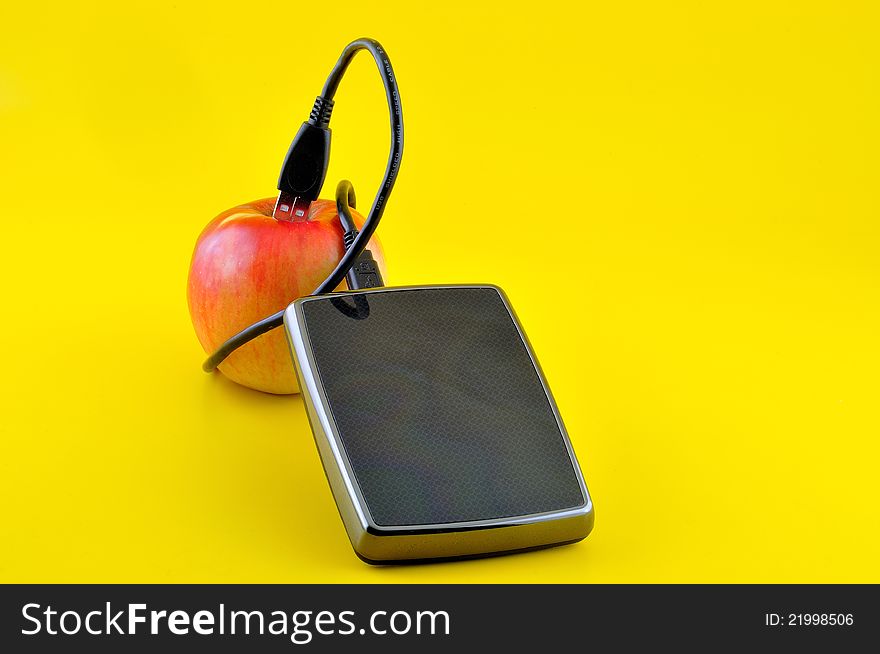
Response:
column 395, row 154
column 346, row 200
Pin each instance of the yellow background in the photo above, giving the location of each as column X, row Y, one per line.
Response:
column 681, row 200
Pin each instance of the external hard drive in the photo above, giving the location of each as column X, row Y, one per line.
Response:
column 435, row 425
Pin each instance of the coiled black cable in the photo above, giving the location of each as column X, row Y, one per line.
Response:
column 346, row 200
column 395, row 154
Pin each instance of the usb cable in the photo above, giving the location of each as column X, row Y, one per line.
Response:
column 302, row 176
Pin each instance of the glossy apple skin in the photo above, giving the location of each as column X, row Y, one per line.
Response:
column 247, row 265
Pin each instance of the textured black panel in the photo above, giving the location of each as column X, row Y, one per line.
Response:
column 439, row 406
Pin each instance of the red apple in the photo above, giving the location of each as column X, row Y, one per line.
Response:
column 247, row 265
